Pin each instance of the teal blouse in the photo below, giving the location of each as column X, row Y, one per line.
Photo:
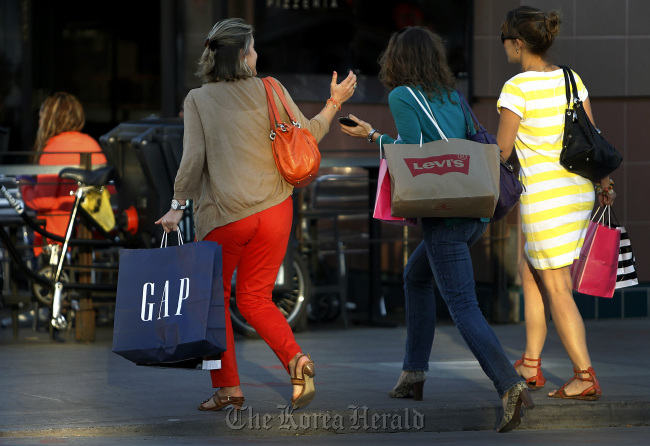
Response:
column 448, row 114
column 403, row 106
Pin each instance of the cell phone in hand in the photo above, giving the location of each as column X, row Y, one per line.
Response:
column 347, row 121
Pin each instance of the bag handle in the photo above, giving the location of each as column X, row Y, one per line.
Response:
column 429, row 113
column 381, row 155
column 605, row 221
column 270, row 85
column 163, row 242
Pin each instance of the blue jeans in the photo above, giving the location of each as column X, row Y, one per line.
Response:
column 444, row 256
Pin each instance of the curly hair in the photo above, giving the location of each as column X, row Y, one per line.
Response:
column 416, row 56
column 535, row 27
column 60, row 112
column 225, row 47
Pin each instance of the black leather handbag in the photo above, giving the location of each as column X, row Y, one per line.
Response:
column 584, row 150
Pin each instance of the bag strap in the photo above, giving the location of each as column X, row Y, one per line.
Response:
column 574, row 86
column 428, row 112
column 466, row 108
column 615, row 220
column 570, row 85
column 274, row 115
column 270, row 82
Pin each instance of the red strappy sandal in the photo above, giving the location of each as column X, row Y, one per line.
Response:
column 536, row 381
column 591, row 393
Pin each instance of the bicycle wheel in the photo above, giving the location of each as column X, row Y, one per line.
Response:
column 292, row 304
column 45, row 294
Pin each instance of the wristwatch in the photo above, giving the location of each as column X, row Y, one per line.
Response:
column 372, row 132
column 177, row 206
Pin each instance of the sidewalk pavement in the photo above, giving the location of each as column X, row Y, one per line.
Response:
column 83, row 389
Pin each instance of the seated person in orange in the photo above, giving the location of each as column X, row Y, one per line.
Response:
column 58, row 143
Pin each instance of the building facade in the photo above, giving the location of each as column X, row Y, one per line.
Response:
column 137, row 59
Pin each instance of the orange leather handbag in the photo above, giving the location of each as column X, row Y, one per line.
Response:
column 295, row 150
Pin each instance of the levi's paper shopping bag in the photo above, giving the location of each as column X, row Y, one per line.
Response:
column 382, row 201
column 170, row 304
column 455, row 178
column 594, row 272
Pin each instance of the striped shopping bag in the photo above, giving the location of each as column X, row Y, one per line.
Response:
column 626, row 273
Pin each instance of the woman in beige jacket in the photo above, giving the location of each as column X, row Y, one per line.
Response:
column 240, row 199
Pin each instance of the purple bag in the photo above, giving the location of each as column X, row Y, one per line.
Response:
column 509, row 185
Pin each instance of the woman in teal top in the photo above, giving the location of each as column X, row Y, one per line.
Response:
column 415, row 58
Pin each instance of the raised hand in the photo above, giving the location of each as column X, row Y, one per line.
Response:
column 343, row 91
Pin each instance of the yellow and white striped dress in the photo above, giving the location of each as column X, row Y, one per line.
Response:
column 556, row 204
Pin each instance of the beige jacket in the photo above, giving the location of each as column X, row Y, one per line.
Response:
column 227, row 167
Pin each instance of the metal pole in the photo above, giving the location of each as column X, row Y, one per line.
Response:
column 168, row 59
column 85, row 320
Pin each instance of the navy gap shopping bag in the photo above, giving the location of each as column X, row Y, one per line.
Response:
column 170, row 304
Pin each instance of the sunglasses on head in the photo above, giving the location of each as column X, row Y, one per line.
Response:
column 504, row 38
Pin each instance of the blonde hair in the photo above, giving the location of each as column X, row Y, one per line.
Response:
column 225, row 48
column 60, row 112
column 535, row 27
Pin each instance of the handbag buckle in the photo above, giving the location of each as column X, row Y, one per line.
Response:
column 296, row 124
column 272, row 135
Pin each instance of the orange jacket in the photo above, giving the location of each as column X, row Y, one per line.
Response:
column 50, row 196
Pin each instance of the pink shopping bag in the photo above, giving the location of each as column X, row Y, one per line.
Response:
column 382, row 202
column 594, row 272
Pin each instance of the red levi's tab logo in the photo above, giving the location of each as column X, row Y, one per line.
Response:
column 438, row 165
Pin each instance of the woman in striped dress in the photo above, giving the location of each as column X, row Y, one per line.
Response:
column 556, row 204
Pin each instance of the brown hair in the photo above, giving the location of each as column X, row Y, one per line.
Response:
column 222, row 59
column 535, row 27
column 60, row 112
column 415, row 56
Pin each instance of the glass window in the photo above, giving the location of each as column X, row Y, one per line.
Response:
column 315, row 37
column 109, row 60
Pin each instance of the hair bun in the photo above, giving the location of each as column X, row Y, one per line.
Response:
column 552, row 22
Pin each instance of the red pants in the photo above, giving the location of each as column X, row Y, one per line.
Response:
column 255, row 246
